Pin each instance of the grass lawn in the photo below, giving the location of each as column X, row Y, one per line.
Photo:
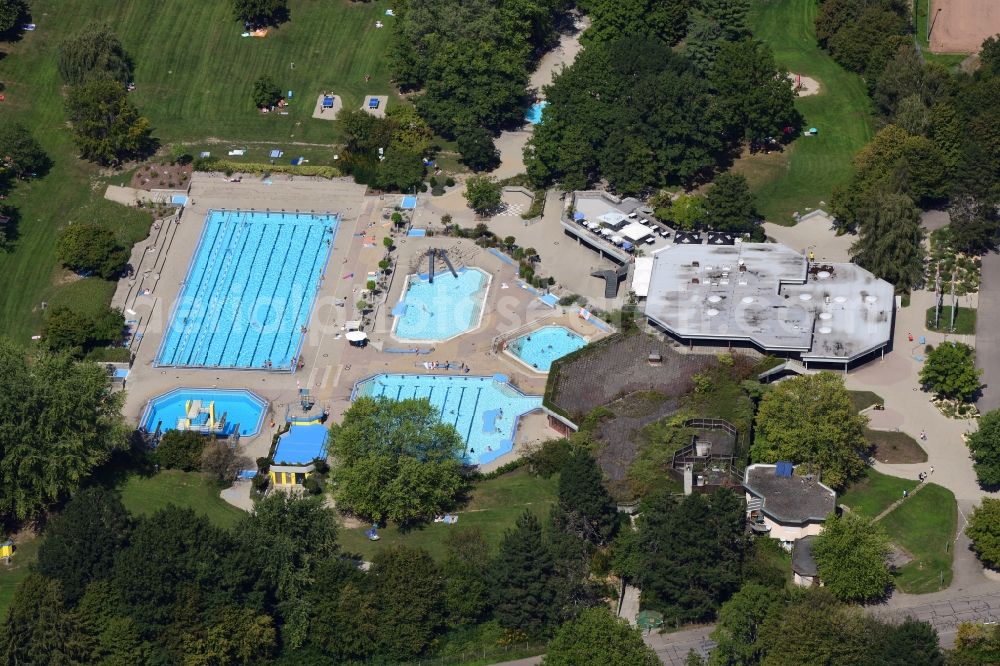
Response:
column 864, row 399
column 806, row 172
column 895, row 447
column 145, row 495
column 872, row 494
column 924, row 526
column 193, row 78
column 494, row 507
column 965, row 320
column 10, row 576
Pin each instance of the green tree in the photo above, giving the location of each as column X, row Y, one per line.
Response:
column 175, row 560
column 703, row 41
column 20, row 154
column 756, row 98
column 974, row 224
column 852, row 555
column 257, row 13
column 825, row 631
column 585, row 507
column 288, row 540
column 730, row 206
column 984, row 444
column 687, row 211
column 409, row 131
column 890, row 240
column 465, row 570
column 265, row 93
column 737, row 632
column 94, row 53
column 396, row 460
column 910, row 643
column 483, row 194
column 79, row 332
column 11, row 11
column 107, row 128
column 950, row 372
column 810, row 420
column 975, row 645
column 408, row 590
column 220, row 459
column 597, row 638
column 180, row 449
column 611, row 18
column 479, row 153
column 80, row 543
column 523, row 574
column 241, row 636
column 61, row 422
column 984, row 530
column 689, row 579
column 92, row 248
column 38, row 630
column 401, row 170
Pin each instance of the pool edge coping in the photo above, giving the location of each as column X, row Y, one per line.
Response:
column 263, row 412
column 187, row 275
column 479, row 321
column 508, row 352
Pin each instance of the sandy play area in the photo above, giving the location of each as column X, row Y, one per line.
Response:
column 804, row 85
column 960, row 26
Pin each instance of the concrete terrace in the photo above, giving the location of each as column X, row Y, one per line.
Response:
column 331, row 366
column 771, row 296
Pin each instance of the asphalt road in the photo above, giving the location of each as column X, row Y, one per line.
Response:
column 988, row 333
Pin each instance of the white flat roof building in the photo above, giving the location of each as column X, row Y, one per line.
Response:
column 770, row 296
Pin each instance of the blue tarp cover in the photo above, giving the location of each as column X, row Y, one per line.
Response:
column 301, row 445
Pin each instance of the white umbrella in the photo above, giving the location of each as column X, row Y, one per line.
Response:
column 356, row 336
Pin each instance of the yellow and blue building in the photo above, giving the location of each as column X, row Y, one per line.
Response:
column 296, row 453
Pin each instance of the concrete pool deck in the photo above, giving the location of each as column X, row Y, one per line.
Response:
column 332, row 367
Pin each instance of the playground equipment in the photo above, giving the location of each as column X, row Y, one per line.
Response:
column 201, row 418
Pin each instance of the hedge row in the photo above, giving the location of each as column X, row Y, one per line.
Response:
column 226, row 166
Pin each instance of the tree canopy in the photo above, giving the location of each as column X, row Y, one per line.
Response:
column 265, row 93
column 984, row 445
column 810, row 420
column 89, row 247
column 950, row 371
column 585, row 508
column 258, row 13
column 59, row 421
column 730, row 206
column 396, row 460
column 106, row 126
column 598, row 638
column 984, row 530
column 523, row 579
column 20, row 153
column 81, row 331
column 889, row 241
column 691, row 552
column 94, row 53
column 11, row 12
column 80, row 543
column 852, row 555
column 483, row 194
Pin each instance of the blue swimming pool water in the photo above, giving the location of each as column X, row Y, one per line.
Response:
column 534, row 114
column 539, row 348
column 249, row 290
column 231, row 407
column 484, row 410
column 442, row 309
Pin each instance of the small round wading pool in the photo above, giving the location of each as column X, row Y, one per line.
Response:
column 209, row 411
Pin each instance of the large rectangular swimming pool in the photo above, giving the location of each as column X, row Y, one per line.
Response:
column 484, row 410
column 249, row 290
